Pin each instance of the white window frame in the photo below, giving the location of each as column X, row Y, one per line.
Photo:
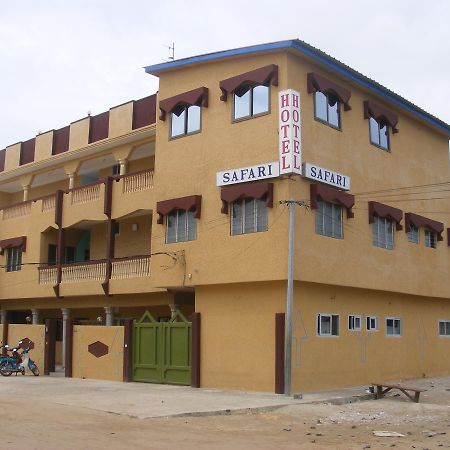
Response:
column 323, row 219
column 351, row 322
column 256, row 215
column 431, row 239
column 185, row 109
column 394, row 319
column 250, row 89
column 413, row 234
column 369, row 324
column 189, row 219
column 327, row 121
column 382, row 224
column 319, row 325
column 13, row 259
column 447, row 325
column 380, row 124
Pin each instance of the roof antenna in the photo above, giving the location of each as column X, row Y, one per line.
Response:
column 171, row 51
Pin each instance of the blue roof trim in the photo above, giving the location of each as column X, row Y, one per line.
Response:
column 322, row 58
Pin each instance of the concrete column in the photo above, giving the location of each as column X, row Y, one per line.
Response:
column 71, row 180
column 173, row 310
column 123, row 166
column 65, row 316
column 109, row 311
column 35, row 316
column 3, row 315
column 26, row 192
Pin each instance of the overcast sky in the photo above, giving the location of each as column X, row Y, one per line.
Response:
column 61, row 59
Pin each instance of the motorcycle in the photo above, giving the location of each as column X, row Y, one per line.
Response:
column 17, row 363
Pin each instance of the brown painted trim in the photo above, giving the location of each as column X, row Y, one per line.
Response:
column 279, row 352
column 197, row 96
column 2, row 159
column 332, row 195
column 316, row 82
column 448, row 237
column 128, row 350
column 69, row 348
column 60, row 142
column 192, row 202
column 257, row 76
column 50, row 346
column 421, row 221
column 5, row 336
column 385, row 211
column 195, row 352
column 99, row 127
column 378, row 112
column 107, row 206
column 260, row 189
column 27, row 149
column 59, row 207
column 144, row 112
column 20, row 241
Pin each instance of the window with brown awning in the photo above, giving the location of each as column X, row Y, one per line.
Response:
column 332, row 195
column 380, row 113
column 420, row 221
column 258, row 190
column 316, row 82
column 20, row 241
column 258, row 76
column 190, row 203
column 385, row 211
column 195, row 97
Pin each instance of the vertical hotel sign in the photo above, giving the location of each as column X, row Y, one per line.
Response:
column 289, row 131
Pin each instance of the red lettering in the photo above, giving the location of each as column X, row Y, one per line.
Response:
column 295, row 100
column 295, row 115
column 284, row 128
column 285, row 147
column 284, row 164
column 296, row 147
column 296, row 162
column 285, row 116
column 284, row 100
column 296, row 130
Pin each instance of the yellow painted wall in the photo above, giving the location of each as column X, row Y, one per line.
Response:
column 86, row 365
column 36, row 333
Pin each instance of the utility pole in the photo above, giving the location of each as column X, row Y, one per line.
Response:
column 289, row 298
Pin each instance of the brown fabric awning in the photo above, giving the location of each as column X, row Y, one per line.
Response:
column 13, row 242
column 257, row 76
column 378, row 112
column 229, row 194
column 316, row 82
column 189, row 98
column 332, row 195
column 420, row 221
column 385, row 211
column 192, row 202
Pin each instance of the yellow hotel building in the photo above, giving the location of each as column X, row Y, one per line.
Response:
column 181, row 202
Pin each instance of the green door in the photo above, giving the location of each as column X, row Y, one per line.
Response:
column 162, row 350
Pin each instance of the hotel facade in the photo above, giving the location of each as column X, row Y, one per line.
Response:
column 174, row 209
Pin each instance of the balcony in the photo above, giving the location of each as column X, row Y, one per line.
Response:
column 121, row 268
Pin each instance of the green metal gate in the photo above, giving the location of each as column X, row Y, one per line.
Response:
column 162, row 350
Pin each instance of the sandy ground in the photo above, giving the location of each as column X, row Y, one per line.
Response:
column 39, row 423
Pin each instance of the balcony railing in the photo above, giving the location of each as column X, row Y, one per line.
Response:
column 130, row 267
column 86, row 194
column 18, row 210
column 48, row 275
column 138, row 181
column 84, row 271
column 49, row 203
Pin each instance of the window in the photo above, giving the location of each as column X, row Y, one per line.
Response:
column 180, row 226
column 250, row 101
column 185, row 120
column 329, row 219
column 383, row 233
column 115, row 169
column 116, row 228
column 413, row 234
column 69, row 255
column 248, row 215
column 327, row 324
column 444, row 328
column 393, row 326
column 326, row 108
column 371, row 323
column 379, row 133
column 430, row 239
column 354, row 323
column 14, row 259
column 51, row 256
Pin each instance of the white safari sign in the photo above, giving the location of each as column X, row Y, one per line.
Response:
column 326, row 176
column 289, row 131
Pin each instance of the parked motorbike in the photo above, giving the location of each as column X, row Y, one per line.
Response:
column 17, row 362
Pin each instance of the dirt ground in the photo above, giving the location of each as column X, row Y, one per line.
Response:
column 36, row 423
